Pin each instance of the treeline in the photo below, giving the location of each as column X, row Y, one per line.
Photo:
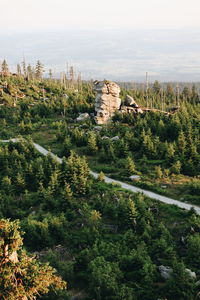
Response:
column 70, row 79
column 107, row 242
column 170, row 87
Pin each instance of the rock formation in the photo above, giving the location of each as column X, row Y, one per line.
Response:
column 130, row 106
column 166, row 272
column 83, row 117
column 107, row 100
column 129, row 101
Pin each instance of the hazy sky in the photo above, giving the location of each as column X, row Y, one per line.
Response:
column 47, row 15
column 158, row 36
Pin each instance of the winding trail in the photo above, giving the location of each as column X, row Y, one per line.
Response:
column 125, row 186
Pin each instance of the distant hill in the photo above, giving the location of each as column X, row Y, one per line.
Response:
column 168, row 55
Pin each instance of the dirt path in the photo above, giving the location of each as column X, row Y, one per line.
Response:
column 125, row 186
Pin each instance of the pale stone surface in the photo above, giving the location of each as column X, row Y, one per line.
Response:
column 135, row 177
column 129, row 101
column 165, row 271
column 131, row 110
column 197, row 283
column 107, row 100
column 83, row 117
column 98, row 128
column 128, row 109
column 139, row 111
column 191, row 273
column 115, row 138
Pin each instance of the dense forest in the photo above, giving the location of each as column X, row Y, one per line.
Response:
column 162, row 149
column 105, row 242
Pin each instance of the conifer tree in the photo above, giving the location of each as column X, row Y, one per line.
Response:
column 176, row 167
column 101, row 176
column 170, row 152
column 132, row 212
column 158, row 172
column 22, row 277
column 156, row 87
column 67, row 146
column 39, row 69
column 30, row 72
column 92, row 144
column 20, row 183
column 4, row 67
column 54, row 182
column 109, row 153
column 130, row 166
column 77, row 173
column 50, row 74
column 170, row 91
column 182, row 143
column 94, row 217
column 24, row 67
column 6, row 184
column 67, row 192
column 19, row 71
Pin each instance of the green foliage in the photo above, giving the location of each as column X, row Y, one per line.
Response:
column 67, row 147
column 104, row 277
column 106, row 243
column 180, row 285
column 92, row 144
column 101, row 176
column 109, row 241
column 194, row 186
column 22, row 277
column 158, row 172
column 77, row 173
column 193, row 249
column 130, row 166
column 176, row 167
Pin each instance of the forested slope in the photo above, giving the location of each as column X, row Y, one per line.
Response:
column 162, row 149
column 105, row 242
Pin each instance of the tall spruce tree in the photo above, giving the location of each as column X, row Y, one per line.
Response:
column 39, row 69
column 4, row 67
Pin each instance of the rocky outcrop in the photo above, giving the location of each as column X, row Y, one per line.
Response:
column 129, row 101
column 135, row 177
column 165, row 272
column 115, row 138
column 131, row 106
column 107, row 100
column 83, row 117
column 98, row 128
column 131, row 110
column 191, row 273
